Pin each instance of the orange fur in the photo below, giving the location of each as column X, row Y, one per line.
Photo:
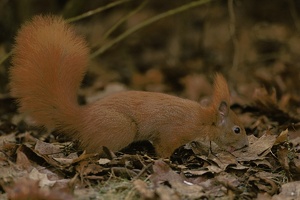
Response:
column 48, row 65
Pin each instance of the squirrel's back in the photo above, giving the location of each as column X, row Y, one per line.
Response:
column 48, row 64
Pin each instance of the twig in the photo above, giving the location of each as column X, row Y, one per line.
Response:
column 95, row 11
column 143, row 170
column 5, row 57
column 123, row 19
column 147, row 22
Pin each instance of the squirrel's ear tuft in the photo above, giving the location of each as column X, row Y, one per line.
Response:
column 221, row 95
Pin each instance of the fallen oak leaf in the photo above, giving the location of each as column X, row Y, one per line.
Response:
column 53, row 154
column 219, row 160
column 223, row 160
column 44, row 148
column 203, row 148
column 258, row 149
column 23, row 161
column 283, row 137
column 163, row 173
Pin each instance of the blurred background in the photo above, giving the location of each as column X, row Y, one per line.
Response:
column 252, row 43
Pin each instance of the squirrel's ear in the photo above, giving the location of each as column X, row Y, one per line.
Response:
column 221, row 99
column 223, row 109
column 222, row 113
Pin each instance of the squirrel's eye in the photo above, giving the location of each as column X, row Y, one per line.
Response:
column 236, row 129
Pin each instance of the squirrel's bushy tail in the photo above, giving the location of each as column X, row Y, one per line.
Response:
column 48, row 64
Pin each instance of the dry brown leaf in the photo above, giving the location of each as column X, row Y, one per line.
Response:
column 221, row 158
column 262, row 164
column 163, row 173
column 44, row 148
column 22, row 161
column 289, row 191
column 259, row 149
column 53, row 154
column 224, row 159
column 4, row 139
column 283, row 137
column 204, row 148
column 86, row 168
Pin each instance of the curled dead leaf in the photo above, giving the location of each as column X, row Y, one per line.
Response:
column 283, row 136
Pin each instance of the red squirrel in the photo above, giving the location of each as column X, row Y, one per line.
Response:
column 48, row 65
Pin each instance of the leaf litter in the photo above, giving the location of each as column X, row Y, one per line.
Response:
column 45, row 167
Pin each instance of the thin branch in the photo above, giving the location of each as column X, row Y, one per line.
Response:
column 146, row 23
column 95, row 11
column 5, row 57
column 123, row 19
